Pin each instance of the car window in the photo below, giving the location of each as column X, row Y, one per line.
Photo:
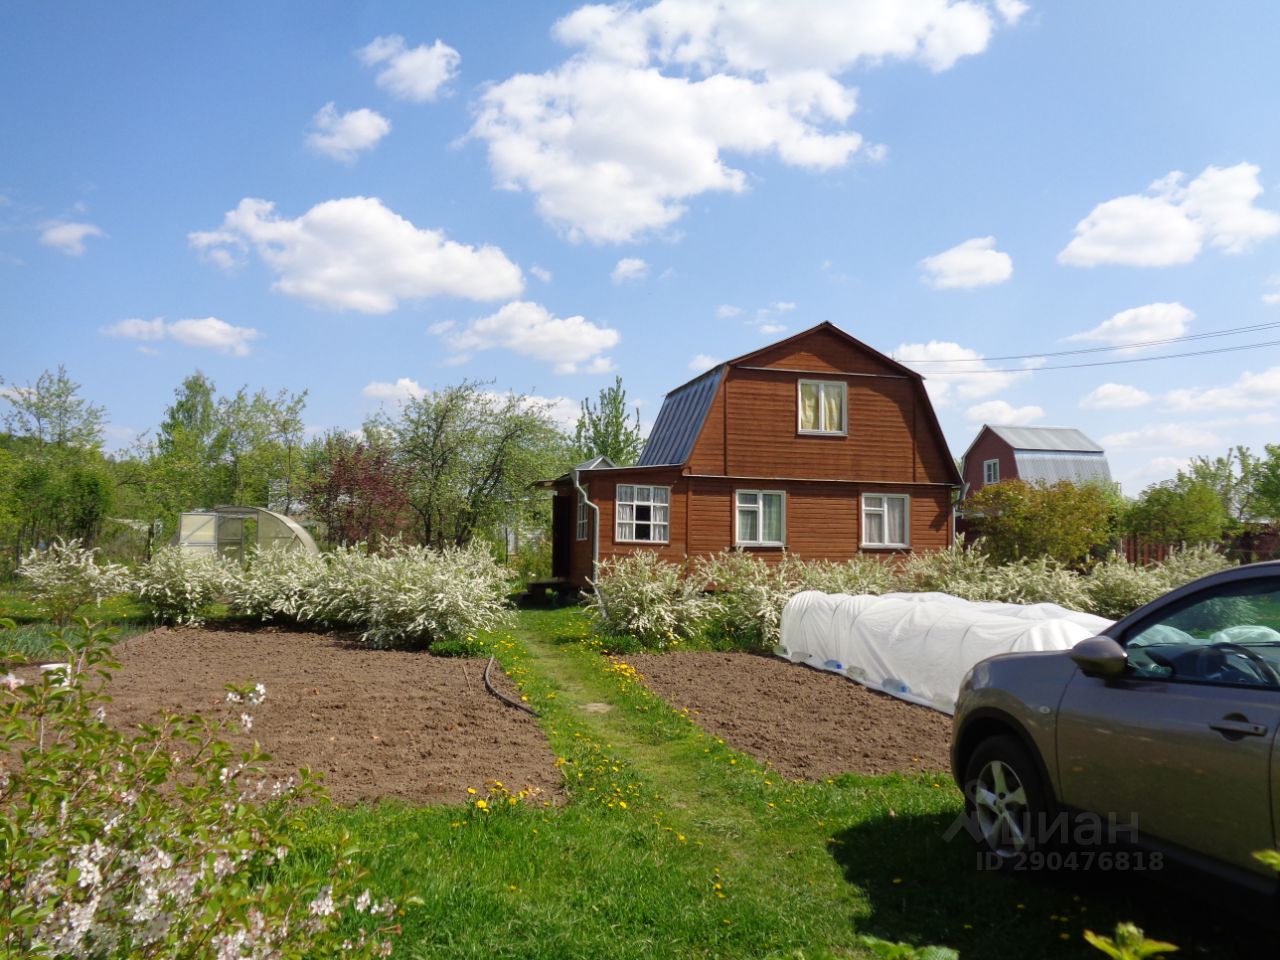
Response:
column 1226, row 634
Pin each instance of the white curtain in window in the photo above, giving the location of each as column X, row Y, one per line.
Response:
column 833, row 407
column 771, row 507
column 809, row 394
column 896, row 515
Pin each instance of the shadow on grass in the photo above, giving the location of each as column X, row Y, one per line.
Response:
column 923, row 889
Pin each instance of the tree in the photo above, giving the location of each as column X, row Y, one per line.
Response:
column 604, row 430
column 1062, row 521
column 470, row 456
column 1177, row 512
column 52, row 412
column 1234, row 480
column 357, row 490
column 1266, row 489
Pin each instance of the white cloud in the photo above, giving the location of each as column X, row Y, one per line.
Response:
column 702, row 362
column 1163, row 436
column 1011, row 10
column 952, row 371
column 411, row 73
column 1004, row 414
column 573, row 344
column 629, row 268
column 1115, row 396
column 356, row 254
column 403, row 389
column 1170, row 224
column 207, row 333
column 974, row 263
column 67, row 237
column 1155, row 321
column 1248, row 391
column 343, row 136
column 1272, row 296
column 727, row 310
column 541, row 273
column 615, row 141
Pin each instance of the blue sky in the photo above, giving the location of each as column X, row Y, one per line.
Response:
column 368, row 200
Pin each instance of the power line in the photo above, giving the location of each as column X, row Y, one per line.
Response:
column 1110, row 349
column 1103, row 363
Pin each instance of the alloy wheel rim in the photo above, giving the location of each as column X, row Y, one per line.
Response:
column 1000, row 805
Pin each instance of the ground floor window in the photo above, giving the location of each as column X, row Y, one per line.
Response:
column 761, row 518
column 643, row 513
column 886, row 520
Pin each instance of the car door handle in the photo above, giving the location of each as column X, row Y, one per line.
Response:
column 1238, row 728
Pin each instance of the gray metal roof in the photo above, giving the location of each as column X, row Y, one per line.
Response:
column 680, row 420
column 1054, row 466
column 1045, row 438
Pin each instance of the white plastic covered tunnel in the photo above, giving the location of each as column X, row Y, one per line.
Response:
column 919, row 646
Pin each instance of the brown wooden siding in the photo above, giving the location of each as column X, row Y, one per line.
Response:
column 822, row 352
column 822, row 519
column 886, row 440
column 989, row 446
column 708, row 455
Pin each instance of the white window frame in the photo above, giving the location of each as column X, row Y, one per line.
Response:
column 990, row 471
column 584, row 518
column 618, row 502
column 884, row 511
column 823, row 386
column 759, row 509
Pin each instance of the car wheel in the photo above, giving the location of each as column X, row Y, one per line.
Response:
column 1007, row 803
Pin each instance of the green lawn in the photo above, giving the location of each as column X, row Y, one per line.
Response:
column 33, row 636
column 673, row 845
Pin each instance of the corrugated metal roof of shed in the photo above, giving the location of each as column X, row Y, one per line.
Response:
column 680, row 420
column 1055, row 466
column 1045, row 438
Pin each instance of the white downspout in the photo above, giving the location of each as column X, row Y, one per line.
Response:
column 595, row 526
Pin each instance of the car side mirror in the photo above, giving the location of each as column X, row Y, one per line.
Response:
column 1100, row 657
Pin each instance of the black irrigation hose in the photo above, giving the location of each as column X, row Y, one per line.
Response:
column 488, row 685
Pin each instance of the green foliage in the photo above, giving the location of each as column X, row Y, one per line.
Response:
column 603, row 429
column 1116, row 587
column 469, row 457
column 160, row 843
column 1063, row 521
column 52, row 412
column 888, row 950
column 1128, row 944
column 65, row 577
column 1177, row 512
column 1235, row 479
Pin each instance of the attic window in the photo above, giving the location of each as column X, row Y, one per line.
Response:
column 822, row 406
column 643, row 514
column 990, row 471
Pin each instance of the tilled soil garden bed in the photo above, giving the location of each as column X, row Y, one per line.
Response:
column 806, row 723
column 376, row 723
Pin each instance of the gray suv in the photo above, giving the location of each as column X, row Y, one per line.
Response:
column 1161, row 731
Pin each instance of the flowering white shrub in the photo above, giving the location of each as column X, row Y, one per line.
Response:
column 749, row 595
column 1190, row 563
column 1117, row 587
column 1033, row 581
column 958, row 571
column 863, row 574
column 644, row 597
column 157, row 844
column 66, row 576
column 418, row 594
column 182, row 585
column 277, row 582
